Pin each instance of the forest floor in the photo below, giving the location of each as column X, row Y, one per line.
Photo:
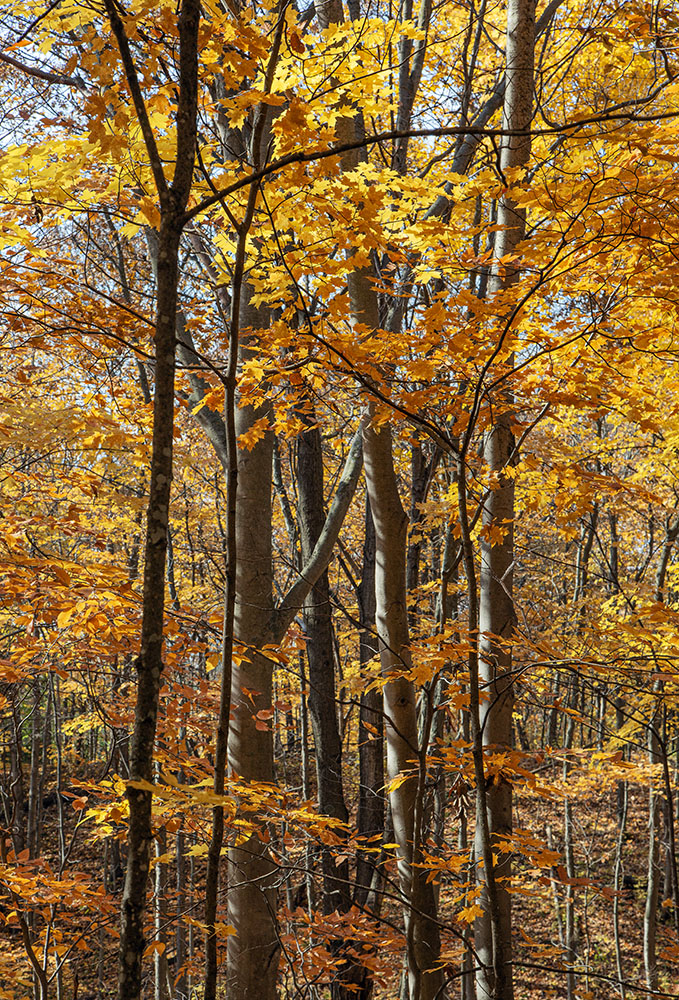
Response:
column 539, row 916
column 89, row 971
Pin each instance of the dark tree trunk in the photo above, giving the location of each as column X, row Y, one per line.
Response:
column 173, row 199
column 321, row 661
column 371, row 801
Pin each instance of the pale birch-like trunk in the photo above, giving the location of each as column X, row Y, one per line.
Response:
column 371, row 802
column 496, row 610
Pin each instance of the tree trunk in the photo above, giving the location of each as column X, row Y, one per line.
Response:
column 149, row 664
column 230, row 589
column 17, row 796
column 253, row 951
column 371, row 803
column 653, row 884
column 160, row 967
column 34, row 797
column 406, row 798
column 617, row 882
column 321, row 660
column 173, row 200
column 496, row 611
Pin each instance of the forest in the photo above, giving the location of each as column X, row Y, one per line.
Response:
column 339, row 535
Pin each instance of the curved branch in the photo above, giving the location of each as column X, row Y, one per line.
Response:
column 320, row 557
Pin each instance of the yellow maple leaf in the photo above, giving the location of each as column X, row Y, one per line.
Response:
column 249, row 438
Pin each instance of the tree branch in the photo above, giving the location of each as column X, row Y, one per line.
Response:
column 320, row 557
column 43, row 74
column 155, row 161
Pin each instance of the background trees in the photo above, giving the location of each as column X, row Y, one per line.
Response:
column 364, row 274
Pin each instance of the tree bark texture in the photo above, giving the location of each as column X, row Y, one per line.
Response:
column 253, row 951
column 371, row 802
column 653, row 884
column 399, row 709
column 321, row 660
column 173, row 199
column 231, row 564
column 149, row 664
column 496, row 611
column 390, row 521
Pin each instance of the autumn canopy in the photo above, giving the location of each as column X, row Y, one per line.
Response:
column 339, row 444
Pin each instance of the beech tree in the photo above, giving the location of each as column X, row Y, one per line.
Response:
column 493, row 726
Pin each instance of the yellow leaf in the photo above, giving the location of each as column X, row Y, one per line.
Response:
column 197, row 851
column 249, row 438
column 225, row 929
column 468, row 914
column 396, row 782
column 64, row 617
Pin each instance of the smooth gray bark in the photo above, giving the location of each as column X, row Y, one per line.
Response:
column 230, row 574
column 496, row 610
column 401, row 733
column 401, row 736
column 252, row 953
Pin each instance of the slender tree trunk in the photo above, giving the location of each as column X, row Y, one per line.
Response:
column 371, row 803
column 496, row 612
column 620, row 840
column 671, row 876
column 173, row 199
column 149, row 664
column 621, row 788
column 569, row 858
column 253, row 951
column 17, row 797
column 230, row 590
column 34, row 784
column 483, row 848
column 418, row 486
column 306, row 785
column 101, row 950
column 406, row 798
column 653, row 884
column 320, row 643
column 321, row 660
column 181, row 979
column 160, row 968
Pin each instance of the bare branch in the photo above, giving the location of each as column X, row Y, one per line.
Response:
column 43, row 74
